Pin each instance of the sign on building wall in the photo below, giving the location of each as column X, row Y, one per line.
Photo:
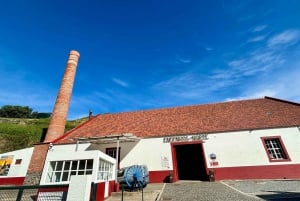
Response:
column 187, row 138
column 165, row 162
column 5, row 163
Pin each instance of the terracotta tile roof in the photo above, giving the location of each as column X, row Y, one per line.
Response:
column 219, row 117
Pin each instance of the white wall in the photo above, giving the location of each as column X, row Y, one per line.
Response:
column 150, row 152
column 68, row 152
column 241, row 148
column 125, row 147
column 19, row 170
column 245, row 148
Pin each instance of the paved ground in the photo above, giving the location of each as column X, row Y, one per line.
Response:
column 250, row 190
column 274, row 190
column 206, row 191
column 270, row 190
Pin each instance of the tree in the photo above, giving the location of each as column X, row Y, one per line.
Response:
column 41, row 115
column 15, row 111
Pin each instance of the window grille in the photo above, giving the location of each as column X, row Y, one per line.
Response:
column 275, row 149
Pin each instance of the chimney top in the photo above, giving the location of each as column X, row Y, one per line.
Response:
column 74, row 52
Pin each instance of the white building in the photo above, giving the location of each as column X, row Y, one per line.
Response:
column 247, row 139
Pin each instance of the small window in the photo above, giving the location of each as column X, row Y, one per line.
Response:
column 275, row 149
column 18, row 161
column 112, row 152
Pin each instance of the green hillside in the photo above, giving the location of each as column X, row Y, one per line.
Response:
column 19, row 133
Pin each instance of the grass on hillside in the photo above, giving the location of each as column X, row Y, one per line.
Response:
column 18, row 133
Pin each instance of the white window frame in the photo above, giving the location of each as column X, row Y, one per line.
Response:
column 105, row 170
column 59, row 172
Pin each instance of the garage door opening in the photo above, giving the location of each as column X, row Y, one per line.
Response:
column 190, row 162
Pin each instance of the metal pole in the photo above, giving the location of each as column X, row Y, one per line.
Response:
column 20, row 193
column 117, row 158
column 142, row 194
column 122, row 195
column 77, row 143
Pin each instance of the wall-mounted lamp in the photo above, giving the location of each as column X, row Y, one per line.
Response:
column 212, row 156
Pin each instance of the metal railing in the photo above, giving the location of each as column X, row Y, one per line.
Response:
column 34, row 193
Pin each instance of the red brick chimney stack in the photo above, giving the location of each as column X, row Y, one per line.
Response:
column 59, row 115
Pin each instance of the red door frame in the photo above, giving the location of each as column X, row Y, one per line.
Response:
column 174, row 159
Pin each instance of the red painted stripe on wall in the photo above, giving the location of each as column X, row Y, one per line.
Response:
column 289, row 171
column 12, row 180
column 111, row 187
column 159, row 176
column 100, row 191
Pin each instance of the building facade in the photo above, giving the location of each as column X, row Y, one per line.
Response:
column 246, row 139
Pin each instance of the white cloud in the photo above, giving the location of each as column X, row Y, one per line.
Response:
column 285, row 38
column 278, row 85
column 260, row 62
column 120, row 82
column 259, row 28
column 257, row 39
column 257, row 61
column 264, row 58
column 185, row 61
column 192, row 86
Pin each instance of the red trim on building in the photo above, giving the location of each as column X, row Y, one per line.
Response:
column 159, row 176
column 100, row 191
column 56, row 189
column 11, row 180
column 111, row 187
column 289, row 171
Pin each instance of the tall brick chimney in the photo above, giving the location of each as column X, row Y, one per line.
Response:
column 57, row 123
column 59, row 115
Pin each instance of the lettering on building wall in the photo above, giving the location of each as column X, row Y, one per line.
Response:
column 185, row 138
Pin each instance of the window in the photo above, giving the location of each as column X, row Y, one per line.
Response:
column 275, row 149
column 105, row 170
column 61, row 171
column 18, row 161
column 112, row 152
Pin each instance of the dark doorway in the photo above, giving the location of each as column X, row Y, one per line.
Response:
column 190, row 162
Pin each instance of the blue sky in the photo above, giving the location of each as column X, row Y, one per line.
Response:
column 139, row 54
